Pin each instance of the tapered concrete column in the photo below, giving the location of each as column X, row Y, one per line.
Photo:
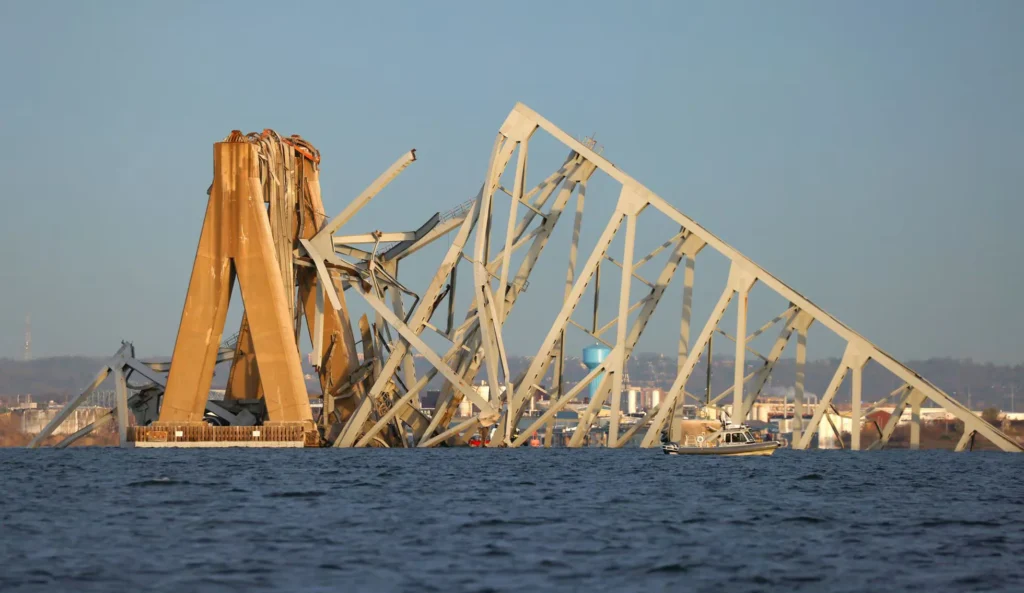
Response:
column 236, row 238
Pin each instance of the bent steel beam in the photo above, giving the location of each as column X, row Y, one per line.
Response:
column 290, row 265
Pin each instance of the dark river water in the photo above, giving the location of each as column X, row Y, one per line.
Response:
column 508, row 520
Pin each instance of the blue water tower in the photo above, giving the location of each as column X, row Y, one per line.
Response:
column 592, row 357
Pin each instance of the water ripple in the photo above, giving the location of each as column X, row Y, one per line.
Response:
column 508, row 520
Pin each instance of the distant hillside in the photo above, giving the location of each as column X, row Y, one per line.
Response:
column 989, row 385
column 52, row 378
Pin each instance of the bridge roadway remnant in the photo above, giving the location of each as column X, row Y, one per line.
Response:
column 265, row 229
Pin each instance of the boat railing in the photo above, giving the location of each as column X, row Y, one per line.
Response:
column 691, row 440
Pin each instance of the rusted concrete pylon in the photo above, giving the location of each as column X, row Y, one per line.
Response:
column 290, row 179
column 236, row 239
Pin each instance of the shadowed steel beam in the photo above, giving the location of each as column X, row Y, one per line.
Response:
column 479, row 341
column 597, row 337
column 741, row 350
column 395, row 408
column 415, row 418
column 569, row 277
column 592, row 411
column 444, row 436
column 98, row 422
column 679, row 385
column 894, row 419
column 510, row 239
column 71, row 406
column 586, row 421
column 452, row 283
column 798, row 387
column 826, row 400
column 162, row 366
column 449, row 399
column 967, row 439
column 675, row 431
column 120, row 365
column 796, row 321
column 615, row 321
column 533, row 373
column 832, row 425
column 636, row 275
column 438, row 230
column 638, row 426
column 102, row 420
column 355, row 423
column 412, row 338
column 650, row 303
column 408, row 365
column 915, row 423
column 503, row 145
column 539, row 368
column 869, row 350
column 420, row 317
column 620, row 334
column 515, row 131
column 127, row 361
column 121, row 391
column 502, row 359
column 855, row 405
column 787, row 314
column 364, row 198
column 559, row 380
column 376, row 237
column 732, row 339
column 578, row 178
column 567, row 177
column 973, row 422
column 557, row 406
column 640, row 262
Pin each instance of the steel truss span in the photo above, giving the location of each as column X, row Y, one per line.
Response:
column 265, row 227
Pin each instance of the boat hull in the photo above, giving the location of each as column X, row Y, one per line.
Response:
column 731, row 450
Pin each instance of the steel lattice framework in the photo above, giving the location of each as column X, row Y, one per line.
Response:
column 374, row 402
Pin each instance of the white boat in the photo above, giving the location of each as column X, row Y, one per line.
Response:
column 734, row 439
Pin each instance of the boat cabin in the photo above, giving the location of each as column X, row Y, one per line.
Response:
column 734, row 435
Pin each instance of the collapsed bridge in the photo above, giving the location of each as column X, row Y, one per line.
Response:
column 265, row 229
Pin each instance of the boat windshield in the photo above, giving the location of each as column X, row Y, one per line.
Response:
column 738, row 437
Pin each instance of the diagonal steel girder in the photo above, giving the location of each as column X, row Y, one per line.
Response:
column 574, row 173
column 478, row 342
column 866, row 349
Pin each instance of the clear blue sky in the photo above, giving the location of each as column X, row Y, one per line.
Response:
column 868, row 153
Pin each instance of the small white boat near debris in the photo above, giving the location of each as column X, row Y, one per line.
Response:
column 733, row 439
